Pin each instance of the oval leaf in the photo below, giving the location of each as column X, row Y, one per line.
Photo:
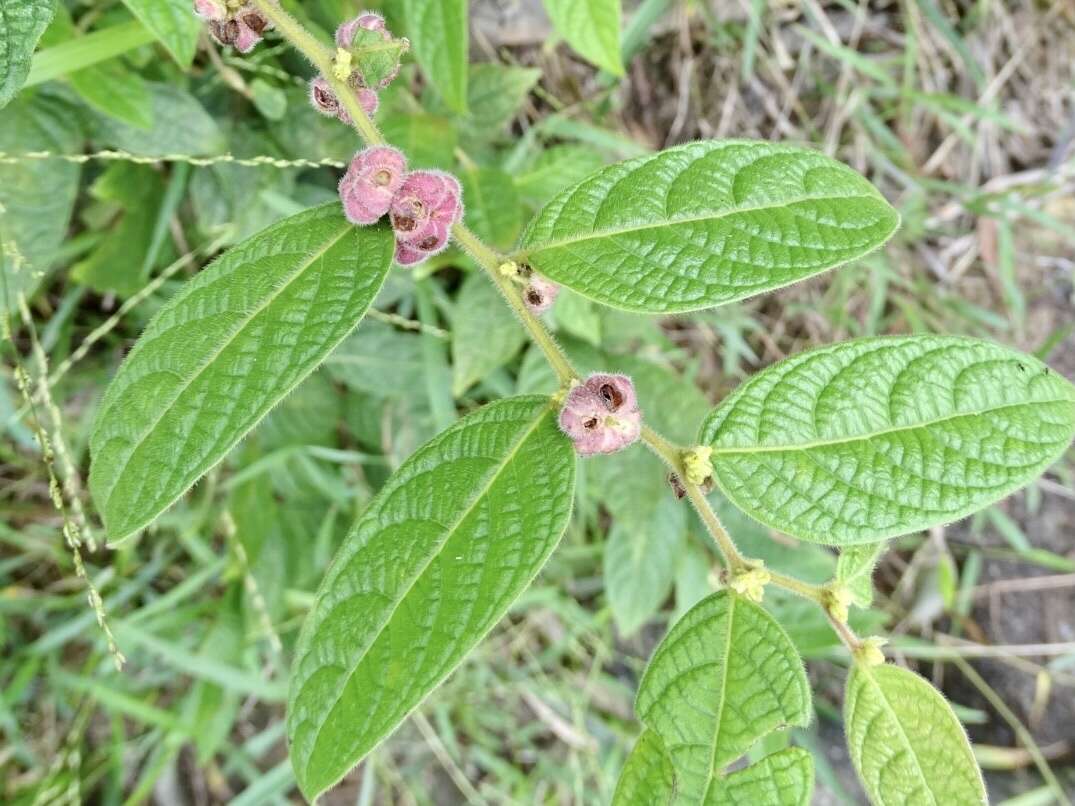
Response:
column 440, row 35
column 874, row 438
column 225, row 350
column 706, row 223
column 21, row 25
column 451, row 540
column 724, row 676
column 172, row 22
column 647, row 775
column 906, row 742
column 591, row 27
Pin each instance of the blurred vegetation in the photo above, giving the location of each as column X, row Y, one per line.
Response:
column 128, row 163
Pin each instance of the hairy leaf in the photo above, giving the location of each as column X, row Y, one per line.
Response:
column 785, row 778
column 485, row 334
column 647, row 776
column 854, row 569
column 453, row 537
column 591, row 27
column 223, row 352
column 905, row 741
column 873, row 438
column 441, row 38
column 173, row 23
column 21, row 24
column 724, row 676
column 706, row 223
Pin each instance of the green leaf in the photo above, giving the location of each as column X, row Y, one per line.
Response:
column 114, row 90
column 874, row 438
column 495, row 92
column 270, row 100
column 705, row 223
column 492, row 207
column 906, row 743
column 119, row 263
column 451, row 540
column 556, row 168
column 647, row 535
column 854, row 569
column 36, row 196
column 223, row 352
column 74, row 54
column 785, row 778
column 724, row 676
column 441, row 40
column 647, row 776
column 485, row 333
column 21, row 24
column 173, row 23
column 428, row 140
column 591, row 27
column 180, row 126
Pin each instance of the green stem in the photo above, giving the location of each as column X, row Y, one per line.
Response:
column 490, row 261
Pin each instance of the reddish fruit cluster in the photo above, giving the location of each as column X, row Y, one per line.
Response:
column 241, row 27
column 423, row 205
column 322, row 96
column 601, row 414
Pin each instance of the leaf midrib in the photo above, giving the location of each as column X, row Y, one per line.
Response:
column 711, row 769
column 677, row 220
column 479, row 495
column 884, row 432
column 301, row 270
column 888, row 709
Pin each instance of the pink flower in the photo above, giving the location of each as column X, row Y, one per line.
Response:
column 540, row 294
column 423, row 212
column 372, row 180
column 601, row 414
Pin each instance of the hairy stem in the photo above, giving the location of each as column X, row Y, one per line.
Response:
column 491, row 261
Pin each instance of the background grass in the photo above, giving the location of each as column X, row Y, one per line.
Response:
column 962, row 113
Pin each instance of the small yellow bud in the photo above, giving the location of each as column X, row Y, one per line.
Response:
column 508, row 268
column 836, row 599
column 869, row 651
column 751, row 584
column 696, row 465
column 341, row 65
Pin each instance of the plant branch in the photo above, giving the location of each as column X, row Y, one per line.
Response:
column 672, row 454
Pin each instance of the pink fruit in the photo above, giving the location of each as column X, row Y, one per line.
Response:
column 372, row 180
column 601, row 415
column 424, row 210
column 540, row 294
